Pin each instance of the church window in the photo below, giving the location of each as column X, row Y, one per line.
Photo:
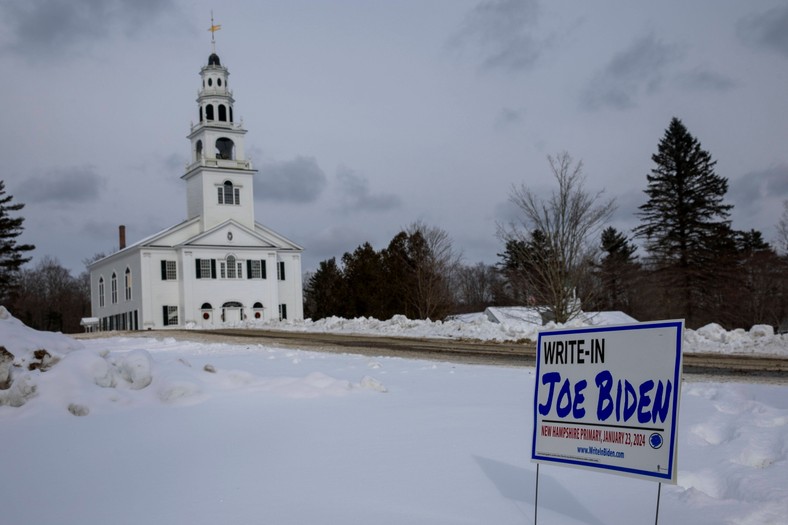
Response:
column 210, row 81
column 282, row 312
column 231, row 268
column 231, row 114
column 218, row 81
column 114, row 288
column 200, row 113
column 206, row 269
column 225, row 149
column 228, row 194
column 170, row 315
column 280, row 271
column 198, row 150
column 222, row 112
column 255, row 269
column 127, row 284
column 169, row 270
column 209, row 112
column 101, row 292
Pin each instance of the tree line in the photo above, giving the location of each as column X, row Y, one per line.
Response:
column 559, row 255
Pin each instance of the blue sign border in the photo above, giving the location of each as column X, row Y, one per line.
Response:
column 669, row 474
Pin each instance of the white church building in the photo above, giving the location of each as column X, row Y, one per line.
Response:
column 217, row 268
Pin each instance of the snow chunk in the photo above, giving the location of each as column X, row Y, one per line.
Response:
column 370, row 383
column 762, row 330
column 135, row 367
column 22, row 389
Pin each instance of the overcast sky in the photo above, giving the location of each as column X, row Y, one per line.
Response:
column 365, row 116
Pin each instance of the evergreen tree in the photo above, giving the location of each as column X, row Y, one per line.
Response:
column 685, row 221
column 365, row 282
column 11, row 254
column 616, row 271
column 326, row 291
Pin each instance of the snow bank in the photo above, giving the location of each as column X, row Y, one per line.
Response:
column 20, row 339
column 43, row 370
column 760, row 339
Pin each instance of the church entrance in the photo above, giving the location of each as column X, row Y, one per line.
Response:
column 232, row 312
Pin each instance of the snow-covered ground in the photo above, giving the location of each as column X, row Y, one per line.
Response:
column 129, row 430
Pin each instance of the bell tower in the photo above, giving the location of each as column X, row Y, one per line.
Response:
column 219, row 177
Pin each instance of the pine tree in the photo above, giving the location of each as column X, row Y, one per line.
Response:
column 616, row 271
column 326, row 291
column 685, row 220
column 11, row 254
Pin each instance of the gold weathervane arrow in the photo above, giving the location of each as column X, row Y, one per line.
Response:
column 213, row 29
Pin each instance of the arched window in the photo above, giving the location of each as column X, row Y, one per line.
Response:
column 127, row 283
column 198, row 150
column 222, row 113
column 101, row 292
column 229, row 194
column 258, row 310
column 218, row 81
column 210, row 81
column 231, row 268
column 209, row 112
column 225, row 149
column 206, row 309
column 114, row 288
column 231, row 114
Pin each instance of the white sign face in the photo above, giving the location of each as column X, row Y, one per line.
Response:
column 608, row 397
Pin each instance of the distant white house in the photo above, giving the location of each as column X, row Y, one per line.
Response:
column 219, row 266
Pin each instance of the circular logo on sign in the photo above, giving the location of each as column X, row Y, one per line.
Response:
column 655, row 440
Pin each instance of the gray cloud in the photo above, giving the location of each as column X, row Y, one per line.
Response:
column 502, row 32
column 298, row 180
column 639, row 68
column 704, row 80
column 767, row 30
column 333, row 241
column 52, row 28
column 509, row 117
column 64, row 186
column 356, row 195
column 749, row 191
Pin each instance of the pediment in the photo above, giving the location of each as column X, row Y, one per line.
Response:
column 230, row 234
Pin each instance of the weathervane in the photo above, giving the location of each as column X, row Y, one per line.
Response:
column 213, row 29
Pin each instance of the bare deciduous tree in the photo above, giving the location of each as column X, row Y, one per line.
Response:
column 434, row 262
column 569, row 220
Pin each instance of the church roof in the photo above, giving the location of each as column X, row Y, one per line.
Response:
column 213, row 60
column 262, row 234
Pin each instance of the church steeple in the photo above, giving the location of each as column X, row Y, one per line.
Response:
column 219, row 176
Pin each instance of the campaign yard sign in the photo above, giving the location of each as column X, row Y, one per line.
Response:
column 608, row 397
